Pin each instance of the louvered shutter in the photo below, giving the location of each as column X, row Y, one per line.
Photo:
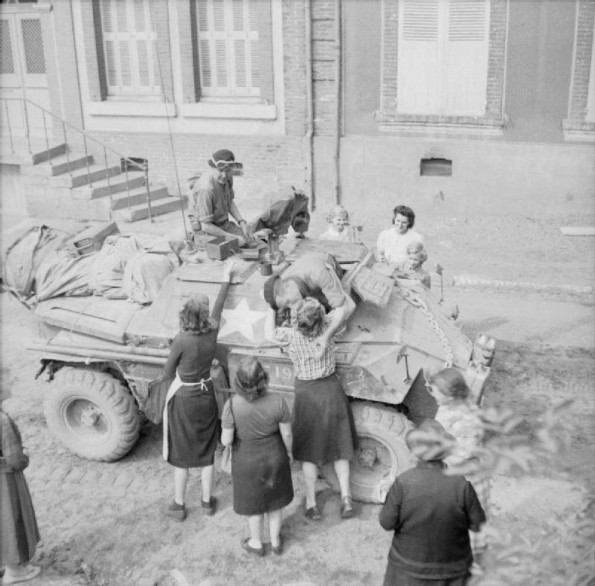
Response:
column 130, row 48
column 418, row 77
column 228, row 48
column 466, row 58
column 443, row 57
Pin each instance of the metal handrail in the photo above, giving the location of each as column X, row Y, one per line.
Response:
column 123, row 158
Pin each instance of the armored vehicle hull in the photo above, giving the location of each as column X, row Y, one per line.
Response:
column 102, row 356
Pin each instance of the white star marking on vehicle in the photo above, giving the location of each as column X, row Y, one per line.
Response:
column 241, row 319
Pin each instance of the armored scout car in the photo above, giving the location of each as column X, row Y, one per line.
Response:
column 102, row 356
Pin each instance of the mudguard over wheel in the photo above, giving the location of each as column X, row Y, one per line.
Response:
column 92, row 414
column 381, row 455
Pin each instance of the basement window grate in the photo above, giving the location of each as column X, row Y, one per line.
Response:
column 128, row 164
column 435, row 167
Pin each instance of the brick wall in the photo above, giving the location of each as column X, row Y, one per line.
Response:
column 324, row 67
column 271, row 164
column 582, row 60
column 294, row 67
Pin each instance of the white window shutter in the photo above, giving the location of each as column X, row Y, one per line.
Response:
column 228, row 48
column 129, row 42
column 466, row 58
column 418, row 79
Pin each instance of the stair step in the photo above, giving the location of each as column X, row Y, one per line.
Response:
column 141, row 211
column 84, row 175
column 52, row 152
column 61, row 164
column 137, row 196
column 116, row 184
column 20, row 151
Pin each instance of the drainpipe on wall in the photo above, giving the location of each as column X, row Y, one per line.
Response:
column 338, row 84
column 309, row 139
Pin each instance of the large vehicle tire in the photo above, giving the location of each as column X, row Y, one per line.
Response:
column 381, row 455
column 92, row 414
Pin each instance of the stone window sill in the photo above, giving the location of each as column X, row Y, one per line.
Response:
column 131, row 108
column 433, row 123
column 229, row 111
column 579, row 130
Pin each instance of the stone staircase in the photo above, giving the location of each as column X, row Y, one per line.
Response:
column 62, row 182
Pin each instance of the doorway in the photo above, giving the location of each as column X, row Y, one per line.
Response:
column 23, row 70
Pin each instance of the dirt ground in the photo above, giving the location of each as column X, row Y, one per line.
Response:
column 101, row 524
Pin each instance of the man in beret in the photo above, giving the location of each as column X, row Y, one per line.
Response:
column 431, row 514
column 315, row 274
column 214, row 198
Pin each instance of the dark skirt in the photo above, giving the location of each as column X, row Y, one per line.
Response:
column 20, row 534
column 193, row 422
column 261, row 475
column 323, row 426
column 396, row 577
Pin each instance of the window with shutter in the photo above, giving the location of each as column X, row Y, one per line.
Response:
column 443, row 57
column 228, row 48
column 129, row 44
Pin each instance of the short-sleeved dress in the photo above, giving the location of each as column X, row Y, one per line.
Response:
column 192, row 414
column 323, row 426
column 260, row 466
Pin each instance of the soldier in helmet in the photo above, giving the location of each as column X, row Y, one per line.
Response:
column 214, row 198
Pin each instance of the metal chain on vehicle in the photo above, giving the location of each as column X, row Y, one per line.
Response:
column 416, row 301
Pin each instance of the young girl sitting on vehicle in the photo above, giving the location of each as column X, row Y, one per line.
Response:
column 338, row 226
column 412, row 268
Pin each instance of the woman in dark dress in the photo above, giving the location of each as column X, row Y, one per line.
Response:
column 190, row 417
column 20, row 534
column 258, row 425
column 323, row 427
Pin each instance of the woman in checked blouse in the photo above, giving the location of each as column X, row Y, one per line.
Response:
column 322, row 426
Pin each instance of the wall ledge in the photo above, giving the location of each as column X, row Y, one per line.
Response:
column 229, row 111
column 132, row 108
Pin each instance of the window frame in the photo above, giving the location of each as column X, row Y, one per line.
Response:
column 492, row 121
column 198, row 104
column 152, row 91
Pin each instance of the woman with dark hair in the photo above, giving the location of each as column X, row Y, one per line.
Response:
column 190, row 417
column 257, row 424
column 323, row 426
column 392, row 244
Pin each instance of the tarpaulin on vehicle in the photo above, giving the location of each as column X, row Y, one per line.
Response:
column 62, row 274
column 144, row 274
column 106, row 272
column 26, row 254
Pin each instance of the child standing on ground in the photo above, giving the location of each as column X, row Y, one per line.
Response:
column 20, row 534
column 190, row 417
column 461, row 417
column 338, row 226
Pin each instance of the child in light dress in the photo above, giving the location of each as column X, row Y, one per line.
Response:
column 338, row 226
column 412, row 268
